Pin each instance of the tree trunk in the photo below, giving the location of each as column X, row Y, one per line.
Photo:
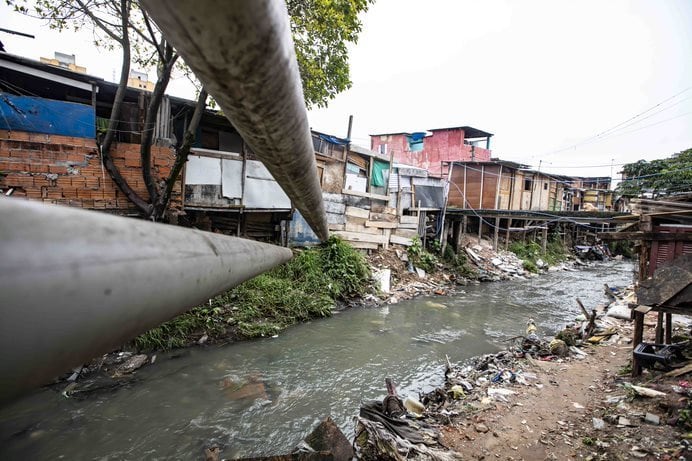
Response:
column 166, row 67
column 105, row 146
column 181, row 157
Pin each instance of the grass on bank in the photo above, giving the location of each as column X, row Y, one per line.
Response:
column 531, row 252
column 304, row 288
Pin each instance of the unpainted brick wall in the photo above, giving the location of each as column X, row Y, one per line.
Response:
column 67, row 171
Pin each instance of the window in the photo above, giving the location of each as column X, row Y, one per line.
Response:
column 527, row 184
column 545, row 186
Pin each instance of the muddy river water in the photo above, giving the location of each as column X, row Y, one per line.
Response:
column 321, row 368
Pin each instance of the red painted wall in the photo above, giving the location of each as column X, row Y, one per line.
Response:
column 441, row 146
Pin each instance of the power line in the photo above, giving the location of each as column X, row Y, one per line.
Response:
column 619, row 126
column 614, row 130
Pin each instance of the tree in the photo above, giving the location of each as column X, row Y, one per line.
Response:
column 321, row 30
column 658, row 177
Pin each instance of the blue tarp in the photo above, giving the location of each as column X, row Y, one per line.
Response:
column 415, row 141
column 39, row 115
column 334, row 139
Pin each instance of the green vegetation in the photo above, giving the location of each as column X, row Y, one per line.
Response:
column 658, row 177
column 322, row 31
column 622, row 247
column 458, row 262
column 531, row 252
column 420, row 257
column 626, row 369
column 304, row 288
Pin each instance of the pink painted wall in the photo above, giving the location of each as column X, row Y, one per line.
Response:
column 441, row 146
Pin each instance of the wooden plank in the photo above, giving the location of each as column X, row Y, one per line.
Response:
column 336, row 227
column 669, row 236
column 408, row 226
column 351, row 227
column 360, row 237
column 381, row 224
column 332, row 207
column 400, row 240
column 357, row 212
column 365, row 194
column 354, row 220
column 377, row 208
column 408, row 219
column 406, row 233
column 382, row 217
column 364, row 245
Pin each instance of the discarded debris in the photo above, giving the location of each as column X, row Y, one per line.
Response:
column 646, row 392
column 133, row 363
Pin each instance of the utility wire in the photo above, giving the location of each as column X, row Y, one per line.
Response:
column 619, row 126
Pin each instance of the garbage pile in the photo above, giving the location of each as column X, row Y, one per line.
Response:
column 396, row 430
column 495, row 265
column 597, row 252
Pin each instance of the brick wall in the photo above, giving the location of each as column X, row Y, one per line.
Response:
column 67, row 171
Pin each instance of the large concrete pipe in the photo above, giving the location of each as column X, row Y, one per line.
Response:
column 75, row 283
column 242, row 51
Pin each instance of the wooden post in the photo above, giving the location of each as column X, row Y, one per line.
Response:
column 391, row 171
column 480, row 229
column 368, row 187
column 496, row 234
column 544, row 237
column 638, row 336
column 456, row 235
column 464, row 225
column 466, row 203
column 659, row 328
column 497, row 190
column 443, row 237
column 523, row 232
column 669, row 328
column 509, row 224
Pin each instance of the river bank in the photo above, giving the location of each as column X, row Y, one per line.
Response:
column 194, row 397
column 317, row 283
column 582, row 405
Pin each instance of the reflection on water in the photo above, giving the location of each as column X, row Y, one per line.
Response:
column 261, row 397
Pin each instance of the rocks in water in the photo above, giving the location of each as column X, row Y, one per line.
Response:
column 133, row 363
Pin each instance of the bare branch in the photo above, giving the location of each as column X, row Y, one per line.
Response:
column 102, row 25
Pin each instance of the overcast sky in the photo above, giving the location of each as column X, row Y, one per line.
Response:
column 545, row 76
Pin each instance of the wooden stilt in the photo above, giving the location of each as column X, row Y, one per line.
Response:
column 457, row 235
column 669, row 328
column 480, row 229
column 638, row 336
column 496, row 233
column 509, row 224
column 464, row 224
column 544, row 238
column 659, row 328
column 523, row 233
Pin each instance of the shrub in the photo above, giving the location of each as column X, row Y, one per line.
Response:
column 305, row 287
column 419, row 257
